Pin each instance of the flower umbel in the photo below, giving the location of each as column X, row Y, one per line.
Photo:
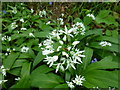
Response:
column 65, row 56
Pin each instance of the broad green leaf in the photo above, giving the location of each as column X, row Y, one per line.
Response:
column 25, row 71
column 104, row 17
column 101, row 79
column 106, row 38
column 113, row 48
column 106, row 63
column 18, row 63
column 103, row 13
column 108, row 33
column 9, row 61
column 24, row 83
column 46, row 80
column 87, row 20
column 41, row 70
column 41, row 34
column 115, row 33
column 31, row 53
column 15, row 71
column 97, row 32
column 61, row 86
column 38, row 58
column 77, row 20
column 67, row 76
column 88, row 56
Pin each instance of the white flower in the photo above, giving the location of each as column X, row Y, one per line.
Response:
column 3, row 70
column 17, row 79
column 62, row 14
column 76, row 55
column 6, row 54
column 24, row 49
column 59, row 65
column 75, row 43
column 79, row 80
column 13, row 49
column 91, row 15
column 67, row 32
column 59, row 47
column 23, row 28
column 31, row 35
column 2, row 81
column 13, row 25
column 51, row 60
column 64, row 38
column 65, row 54
column 47, row 42
column 61, row 21
column 46, row 52
column 70, row 84
column 44, row 12
column 61, row 42
column 48, row 23
column 104, row 43
column 14, row 10
column 22, row 20
column 40, row 44
column 8, row 49
column 70, row 63
column 32, row 10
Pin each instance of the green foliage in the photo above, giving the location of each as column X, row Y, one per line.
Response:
column 29, row 65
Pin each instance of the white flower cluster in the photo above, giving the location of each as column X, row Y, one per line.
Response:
column 3, row 70
column 6, row 38
column 9, row 51
column 42, row 13
column 13, row 25
column 60, row 21
column 66, row 55
column 78, row 81
column 22, row 20
column 17, row 79
column 2, row 81
column 104, row 43
column 32, row 10
column 3, row 73
column 14, row 10
column 31, row 35
column 24, row 49
column 91, row 15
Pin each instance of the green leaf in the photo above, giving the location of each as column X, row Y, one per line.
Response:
column 18, row 63
column 24, row 83
column 9, row 61
column 106, row 63
column 41, row 34
column 88, row 56
column 26, row 69
column 108, row 33
column 67, row 76
column 106, row 38
column 41, row 70
column 15, row 71
column 46, row 80
column 38, row 58
column 115, row 33
column 87, row 20
column 100, row 78
column 104, row 17
column 61, row 86
column 112, row 48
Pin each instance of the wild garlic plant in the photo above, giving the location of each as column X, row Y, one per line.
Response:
column 66, row 55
